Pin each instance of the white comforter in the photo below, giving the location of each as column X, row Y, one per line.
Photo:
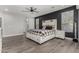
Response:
column 40, row 36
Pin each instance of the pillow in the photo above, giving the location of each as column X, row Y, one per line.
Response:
column 48, row 27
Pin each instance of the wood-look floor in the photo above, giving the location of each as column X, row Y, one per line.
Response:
column 19, row 44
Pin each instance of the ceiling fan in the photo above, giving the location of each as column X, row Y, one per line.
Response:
column 31, row 9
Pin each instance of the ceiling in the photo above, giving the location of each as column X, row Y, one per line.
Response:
column 43, row 9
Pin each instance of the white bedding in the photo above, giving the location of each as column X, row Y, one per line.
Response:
column 42, row 32
column 40, row 36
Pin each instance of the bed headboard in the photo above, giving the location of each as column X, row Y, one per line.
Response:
column 49, row 24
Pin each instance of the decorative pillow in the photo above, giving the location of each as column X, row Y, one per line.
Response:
column 48, row 27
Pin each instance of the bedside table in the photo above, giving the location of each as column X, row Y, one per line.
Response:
column 60, row 34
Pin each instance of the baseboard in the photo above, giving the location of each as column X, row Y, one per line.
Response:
column 59, row 38
column 67, row 38
column 13, row 35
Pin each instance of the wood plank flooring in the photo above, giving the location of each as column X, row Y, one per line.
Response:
column 19, row 44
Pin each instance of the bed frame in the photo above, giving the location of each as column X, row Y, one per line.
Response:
column 42, row 39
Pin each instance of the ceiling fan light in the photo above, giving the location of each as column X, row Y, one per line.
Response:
column 31, row 9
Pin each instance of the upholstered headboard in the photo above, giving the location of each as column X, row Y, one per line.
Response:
column 49, row 24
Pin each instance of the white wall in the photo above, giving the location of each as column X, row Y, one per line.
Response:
column 12, row 24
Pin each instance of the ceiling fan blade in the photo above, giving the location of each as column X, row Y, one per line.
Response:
column 36, row 11
column 25, row 11
column 27, row 8
column 52, row 7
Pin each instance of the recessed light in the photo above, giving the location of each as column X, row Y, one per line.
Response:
column 5, row 9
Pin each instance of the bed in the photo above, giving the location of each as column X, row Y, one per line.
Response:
column 40, row 36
